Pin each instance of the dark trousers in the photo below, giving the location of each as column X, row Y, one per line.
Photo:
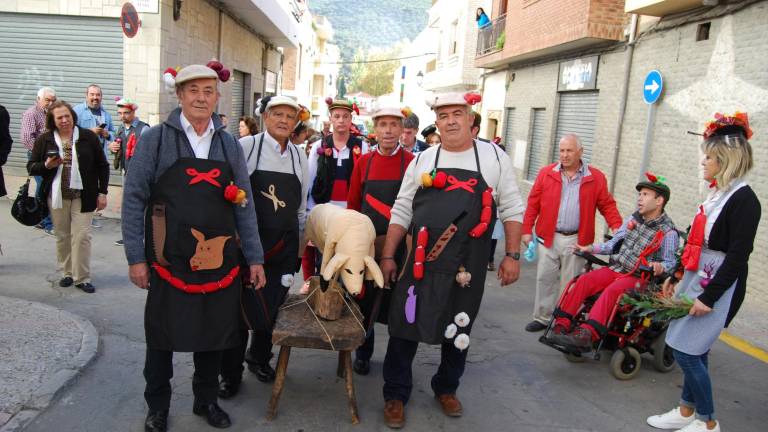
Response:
column 398, row 375
column 259, row 353
column 365, row 351
column 493, row 250
column 158, row 371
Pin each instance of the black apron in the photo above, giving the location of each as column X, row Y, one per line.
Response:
column 439, row 298
column 277, row 197
column 378, row 196
column 192, row 194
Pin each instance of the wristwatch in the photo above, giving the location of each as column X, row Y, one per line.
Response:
column 514, row 255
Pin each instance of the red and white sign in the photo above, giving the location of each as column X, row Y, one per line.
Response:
column 129, row 20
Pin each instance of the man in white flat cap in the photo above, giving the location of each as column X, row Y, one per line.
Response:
column 447, row 204
column 280, row 182
column 373, row 187
column 183, row 213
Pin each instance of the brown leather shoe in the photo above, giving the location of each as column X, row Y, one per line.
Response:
column 394, row 414
column 451, row 406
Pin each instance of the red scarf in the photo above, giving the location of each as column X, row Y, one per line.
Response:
column 693, row 246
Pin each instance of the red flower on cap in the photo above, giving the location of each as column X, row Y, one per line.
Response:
column 355, row 109
column 329, row 101
column 171, row 71
column 220, row 70
column 472, row 98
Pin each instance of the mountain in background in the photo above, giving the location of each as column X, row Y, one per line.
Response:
column 372, row 23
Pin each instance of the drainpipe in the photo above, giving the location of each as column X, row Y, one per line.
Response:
column 623, row 103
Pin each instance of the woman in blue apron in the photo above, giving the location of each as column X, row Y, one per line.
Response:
column 715, row 261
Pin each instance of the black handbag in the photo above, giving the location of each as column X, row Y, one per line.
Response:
column 28, row 210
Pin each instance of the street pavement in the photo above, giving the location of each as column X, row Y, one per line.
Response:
column 512, row 382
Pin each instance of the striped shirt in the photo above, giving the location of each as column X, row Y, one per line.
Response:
column 32, row 126
column 568, row 212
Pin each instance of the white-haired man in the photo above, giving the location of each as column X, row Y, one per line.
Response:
column 32, row 126
column 181, row 218
column 279, row 177
column 561, row 206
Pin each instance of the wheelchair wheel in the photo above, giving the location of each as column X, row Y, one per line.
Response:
column 663, row 360
column 625, row 363
column 575, row 357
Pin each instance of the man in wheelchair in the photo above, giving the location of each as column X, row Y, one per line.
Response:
column 649, row 239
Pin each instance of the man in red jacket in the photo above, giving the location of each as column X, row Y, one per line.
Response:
column 562, row 206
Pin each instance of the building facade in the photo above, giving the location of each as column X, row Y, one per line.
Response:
column 586, row 75
column 69, row 44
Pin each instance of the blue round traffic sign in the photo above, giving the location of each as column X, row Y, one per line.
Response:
column 652, row 87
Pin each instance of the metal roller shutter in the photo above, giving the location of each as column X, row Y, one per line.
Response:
column 237, row 103
column 537, row 150
column 66, row 53
column 577, row 115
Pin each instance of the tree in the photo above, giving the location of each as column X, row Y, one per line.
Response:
column 373, row 73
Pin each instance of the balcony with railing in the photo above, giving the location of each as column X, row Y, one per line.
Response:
column 491, row 37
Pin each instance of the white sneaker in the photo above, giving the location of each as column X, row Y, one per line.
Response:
column 670, row 420
column 700, row 426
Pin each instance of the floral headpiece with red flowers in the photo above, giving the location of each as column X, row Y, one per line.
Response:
column 738, row 119
column 406, row 112
column 169, row 79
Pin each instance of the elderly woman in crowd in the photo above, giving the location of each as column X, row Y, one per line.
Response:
column 248, row 126
column 715, row 260
column 75, row 176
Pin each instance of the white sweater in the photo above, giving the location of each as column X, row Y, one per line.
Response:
column 497, row 173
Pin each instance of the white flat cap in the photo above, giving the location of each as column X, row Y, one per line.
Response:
column 282, row 100
column 195, row 71
column 388, row 112
column 446, row 99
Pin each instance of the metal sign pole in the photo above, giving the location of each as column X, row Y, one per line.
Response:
column 648, row 140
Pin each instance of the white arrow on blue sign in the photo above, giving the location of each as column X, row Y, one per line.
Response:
column 652, row 87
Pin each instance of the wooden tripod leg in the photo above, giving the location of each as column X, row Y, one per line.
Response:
column 340, row 368
column 352, row 401
column 277, row 388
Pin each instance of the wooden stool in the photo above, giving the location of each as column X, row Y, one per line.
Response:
column 297, row 327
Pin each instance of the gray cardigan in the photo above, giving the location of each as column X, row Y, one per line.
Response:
column 146, row 167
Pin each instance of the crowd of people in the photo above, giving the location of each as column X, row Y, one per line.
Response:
column 213, row 228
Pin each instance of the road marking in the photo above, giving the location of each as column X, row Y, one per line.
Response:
column 747, row 348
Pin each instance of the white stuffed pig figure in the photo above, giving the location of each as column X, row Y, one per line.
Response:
column 345, row 238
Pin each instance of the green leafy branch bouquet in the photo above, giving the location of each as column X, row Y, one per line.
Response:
column 657, row 307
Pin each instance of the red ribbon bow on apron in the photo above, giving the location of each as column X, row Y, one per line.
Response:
column 209, row 176
column 456, row 183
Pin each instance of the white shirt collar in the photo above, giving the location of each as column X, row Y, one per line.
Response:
column 276, row 145
column 189, row 129
column 394, row 152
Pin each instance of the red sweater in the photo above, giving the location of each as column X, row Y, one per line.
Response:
column 544, row 205
column 382, row 168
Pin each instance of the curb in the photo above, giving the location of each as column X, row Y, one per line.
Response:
column 743, row 346
column 42, row 397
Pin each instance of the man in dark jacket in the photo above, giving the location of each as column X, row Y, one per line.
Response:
column 5, row 145
column 128, row 134
column 179, row 175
